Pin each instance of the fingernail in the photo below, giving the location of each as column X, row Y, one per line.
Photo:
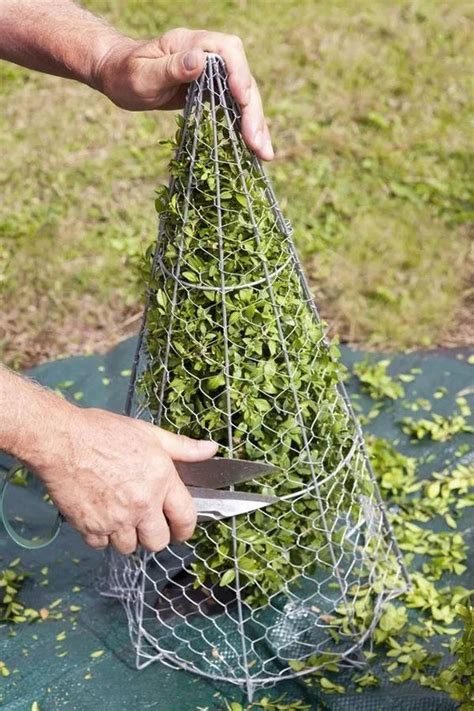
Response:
column 190, row 61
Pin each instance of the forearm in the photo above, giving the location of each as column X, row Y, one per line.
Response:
column 112, row 477
column 34, row 422
column 59, row 37
column 55, row 36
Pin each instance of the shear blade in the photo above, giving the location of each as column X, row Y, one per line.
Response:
column 220, row 472
column 215, row 505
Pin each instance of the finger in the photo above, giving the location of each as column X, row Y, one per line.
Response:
column 243, row 88
column 268, row 142
column 154, row 534
column 125, row 541
column 254, row 129
column 96, row 541
column 239, row 76
column 185, row 449
column 180, row 512
column 159, row 75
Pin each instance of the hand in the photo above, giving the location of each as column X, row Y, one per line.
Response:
column 114, row 481
column 155, row 74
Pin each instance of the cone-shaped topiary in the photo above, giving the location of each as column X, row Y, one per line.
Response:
column 235, row 352
column 231, row 348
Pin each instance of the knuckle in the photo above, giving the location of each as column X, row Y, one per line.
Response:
column 91, row 528
column 94, row 542
column 184, row 535
column 138, row 501
column 125, row 549
column 189, row 520
column 120, row 519
column 159, row 543
column 186, row 528
column 200, row 35
column 236, row 41
column 125, row 542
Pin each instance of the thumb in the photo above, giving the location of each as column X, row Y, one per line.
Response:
column 185, row 449
column 181, row 67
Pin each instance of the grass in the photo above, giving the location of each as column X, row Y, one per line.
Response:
column 369, row 105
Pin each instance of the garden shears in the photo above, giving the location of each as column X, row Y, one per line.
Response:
column 205, row 481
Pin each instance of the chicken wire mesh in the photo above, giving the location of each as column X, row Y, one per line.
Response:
column 232, row 349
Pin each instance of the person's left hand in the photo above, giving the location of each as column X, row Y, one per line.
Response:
column 154, row 75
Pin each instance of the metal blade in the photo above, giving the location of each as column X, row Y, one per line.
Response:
column 214, row 505
column 219, row 472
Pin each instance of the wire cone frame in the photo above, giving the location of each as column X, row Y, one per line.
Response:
column 232, row 349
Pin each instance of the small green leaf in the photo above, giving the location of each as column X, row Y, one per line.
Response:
column 432, row 490
column 227, row 577
column 217, row 381
column 161, row 298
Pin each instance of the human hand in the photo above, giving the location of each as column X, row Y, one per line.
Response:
column 113, row 479
column 154, row 75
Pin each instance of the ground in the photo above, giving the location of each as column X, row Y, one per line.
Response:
column 369, row 105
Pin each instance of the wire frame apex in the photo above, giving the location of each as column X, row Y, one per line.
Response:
column 232, row 349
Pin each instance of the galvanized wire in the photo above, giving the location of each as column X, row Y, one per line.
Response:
column 329, row 534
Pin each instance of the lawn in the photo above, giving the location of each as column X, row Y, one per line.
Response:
column 369, row 105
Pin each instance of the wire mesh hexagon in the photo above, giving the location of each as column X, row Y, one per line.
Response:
column 232, row 348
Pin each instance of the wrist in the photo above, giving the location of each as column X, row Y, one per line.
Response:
column 106, row 66
column 36, row 424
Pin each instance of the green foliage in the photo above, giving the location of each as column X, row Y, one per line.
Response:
column 12, row 77
column 366, row 680
column 411, row 659
column 396, row 472
column 4, row 670
column 11, row 609
column 430, row 607
column 268, row 704
column 458, row 679
column 260, row 382
column 393, row 620
column 376, row 381
column 438, row 427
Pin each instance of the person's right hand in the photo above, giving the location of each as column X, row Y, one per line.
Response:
column 114, row 480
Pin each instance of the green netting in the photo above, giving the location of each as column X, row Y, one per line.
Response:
column 34, row 656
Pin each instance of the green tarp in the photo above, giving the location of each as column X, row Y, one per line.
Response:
column 35, row 655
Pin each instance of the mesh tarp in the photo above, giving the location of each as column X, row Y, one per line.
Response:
column 111, row 681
